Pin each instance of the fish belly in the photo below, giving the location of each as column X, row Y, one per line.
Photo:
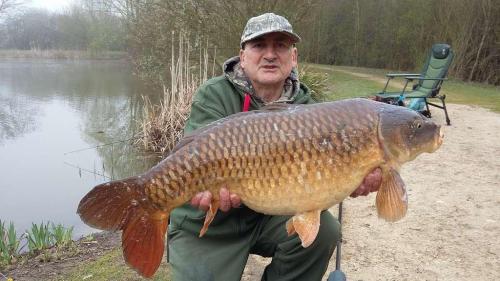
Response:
column 321, row 184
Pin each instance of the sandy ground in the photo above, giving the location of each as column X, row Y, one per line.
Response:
column 452, row 229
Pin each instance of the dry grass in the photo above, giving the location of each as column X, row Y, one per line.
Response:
column 317, row 82
column 162, row 124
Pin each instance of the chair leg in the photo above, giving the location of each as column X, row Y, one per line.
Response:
column 428, row 109
column 168, row 243
column 426, row 112
column 448, row 122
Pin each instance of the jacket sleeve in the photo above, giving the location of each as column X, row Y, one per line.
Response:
column 206, row 108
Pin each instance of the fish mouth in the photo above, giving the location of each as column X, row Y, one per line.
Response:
column 436, row 142
column 439, row 138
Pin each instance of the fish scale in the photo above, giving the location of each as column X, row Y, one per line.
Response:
column 249, row 169
column 283, row 160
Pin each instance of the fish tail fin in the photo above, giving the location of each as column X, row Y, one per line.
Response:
column 143, row 241
column 124, row 205
column 392, row 199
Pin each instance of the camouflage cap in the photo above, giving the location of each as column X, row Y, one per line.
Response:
column 267, row 23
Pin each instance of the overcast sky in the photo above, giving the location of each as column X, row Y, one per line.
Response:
column 51, row 5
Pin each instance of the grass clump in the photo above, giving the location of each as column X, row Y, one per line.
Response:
column 317, row 82
column 61, row 235
column 45, row 240
column 9, row 244
column 39, row 237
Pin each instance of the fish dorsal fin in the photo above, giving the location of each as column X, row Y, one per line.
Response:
column 306, row 225
column 273, row 107
column 183, row 142
column 277, row 107
column 392, row 199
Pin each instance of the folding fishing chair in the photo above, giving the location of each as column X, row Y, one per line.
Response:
column 429, row 83
column 337, row 274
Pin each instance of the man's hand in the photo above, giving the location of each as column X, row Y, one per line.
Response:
column 228, row 200
column 371, row 183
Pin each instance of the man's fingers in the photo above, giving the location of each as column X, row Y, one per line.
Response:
column 205, row 200
column 225, row 203
column 235, row 200
column 195, row 201
column 227, row 200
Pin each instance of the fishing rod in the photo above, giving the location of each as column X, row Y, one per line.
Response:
column 338, row 275
column 102, row 145
column 80, row 169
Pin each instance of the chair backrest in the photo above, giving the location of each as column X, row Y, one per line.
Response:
column 436, row 66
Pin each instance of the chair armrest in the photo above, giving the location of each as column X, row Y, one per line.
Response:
column 441, row 79
column 406, row 75
column 411, row 78
column 402, row 74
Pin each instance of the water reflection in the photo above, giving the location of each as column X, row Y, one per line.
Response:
column 16, row 117
column 53, row 114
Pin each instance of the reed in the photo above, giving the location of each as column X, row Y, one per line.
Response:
column 162, row 124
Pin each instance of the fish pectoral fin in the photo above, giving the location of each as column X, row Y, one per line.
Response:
column 392, row 199
column 289, row 227
column 209, row 217
column 306, row 225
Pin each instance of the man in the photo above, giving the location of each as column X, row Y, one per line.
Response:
column 264, row 73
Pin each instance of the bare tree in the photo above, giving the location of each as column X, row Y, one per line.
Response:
column 7, row 4
column 383, row 33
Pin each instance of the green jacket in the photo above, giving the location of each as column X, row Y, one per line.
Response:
column 220, row 97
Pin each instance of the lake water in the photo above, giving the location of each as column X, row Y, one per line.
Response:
column 52, row 116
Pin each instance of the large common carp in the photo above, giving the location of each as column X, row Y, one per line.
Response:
column 283, row 160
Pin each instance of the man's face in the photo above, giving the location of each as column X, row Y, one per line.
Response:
column 268, row 59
